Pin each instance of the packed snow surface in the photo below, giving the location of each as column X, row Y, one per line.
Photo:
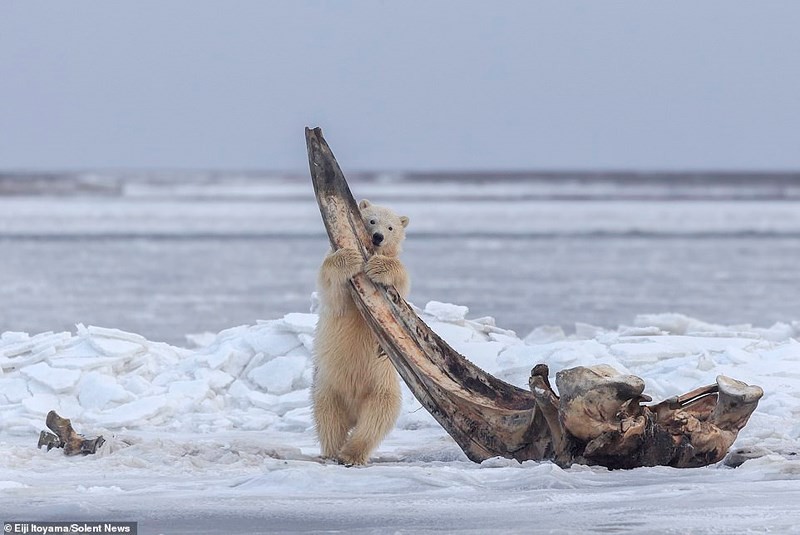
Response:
column 225, row 428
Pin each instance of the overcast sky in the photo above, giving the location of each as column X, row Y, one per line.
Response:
column 400, row 85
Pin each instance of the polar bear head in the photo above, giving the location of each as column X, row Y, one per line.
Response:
column 386, row 229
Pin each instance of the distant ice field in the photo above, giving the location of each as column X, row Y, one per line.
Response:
column 169, row 257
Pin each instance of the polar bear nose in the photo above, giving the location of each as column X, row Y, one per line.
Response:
column 377, row 238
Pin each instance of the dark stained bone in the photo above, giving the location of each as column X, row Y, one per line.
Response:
column 606, row 423
column 66, row 437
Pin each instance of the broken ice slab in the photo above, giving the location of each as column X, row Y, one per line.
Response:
column 117, row 334
column 56, row 379
column 117, row 347
column 32, row 350
column 300, row 323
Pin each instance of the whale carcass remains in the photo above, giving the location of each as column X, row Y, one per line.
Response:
column 598, row 417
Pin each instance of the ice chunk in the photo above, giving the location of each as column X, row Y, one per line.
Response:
column 487, row 325
column 20, row 355
column 135, row 412
column 97, row 391
column 116, row 347
column 681, row 324
column 500, row 462
column 271, row 342
column 446, row 311
column 262, row 400
column 545, row 335
column 217, row 379
column 308, row 342
column 587, row 331
column 239, row 390
column 505, row 339
column 779, row 332
column 200, row 340
column 257, row 419
column 9, row 337
column 483, row 355
column 293, row 400
column 519, row 356
column 295, row 420
column 279, row 374
column 57, row 379
column 167, row 377
column 315, row 303
column 253, row 362
column 69, row 405
column 308, row 377
column 14, row 389
column 301, row 323
column 453, row 334
column 84, row 363
column 136, row 384
column 116, row 334
column 195, row 390
column 649, row 352
column 640, row 331
column 37, row 344
column 788, row 352
column 41, row 404
column 705, row 362
column 486, row 321
column 220, row 357
column 15, row 348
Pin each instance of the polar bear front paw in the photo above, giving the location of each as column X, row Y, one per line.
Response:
column 382, row 269
column 345, row 262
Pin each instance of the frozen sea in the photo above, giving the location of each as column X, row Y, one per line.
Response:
column 673, row 278
column 169, row 254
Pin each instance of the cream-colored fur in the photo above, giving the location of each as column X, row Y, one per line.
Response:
column 356, row 394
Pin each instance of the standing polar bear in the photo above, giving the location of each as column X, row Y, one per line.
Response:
column 356, row 393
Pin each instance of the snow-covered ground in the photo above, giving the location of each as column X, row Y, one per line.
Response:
column 218, row 438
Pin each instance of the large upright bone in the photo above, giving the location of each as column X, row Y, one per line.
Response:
column 485, row 416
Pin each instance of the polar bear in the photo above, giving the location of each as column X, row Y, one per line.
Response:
column 356, row 394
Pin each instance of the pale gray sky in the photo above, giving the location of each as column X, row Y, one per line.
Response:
column 400, row 85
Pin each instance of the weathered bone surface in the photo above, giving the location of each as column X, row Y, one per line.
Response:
column 599, row 418
column 602, row 420
column 66, row 437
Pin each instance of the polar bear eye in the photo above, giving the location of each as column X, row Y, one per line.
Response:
column 390, row 229
column 371, row 221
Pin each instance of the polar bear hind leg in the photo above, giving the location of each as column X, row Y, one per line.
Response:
column 332, row 421
column 378, row 414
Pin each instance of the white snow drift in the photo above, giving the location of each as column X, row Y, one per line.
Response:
column 231, row 417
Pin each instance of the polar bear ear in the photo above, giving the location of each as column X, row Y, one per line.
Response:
column 364, row 204
column 404, row 221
